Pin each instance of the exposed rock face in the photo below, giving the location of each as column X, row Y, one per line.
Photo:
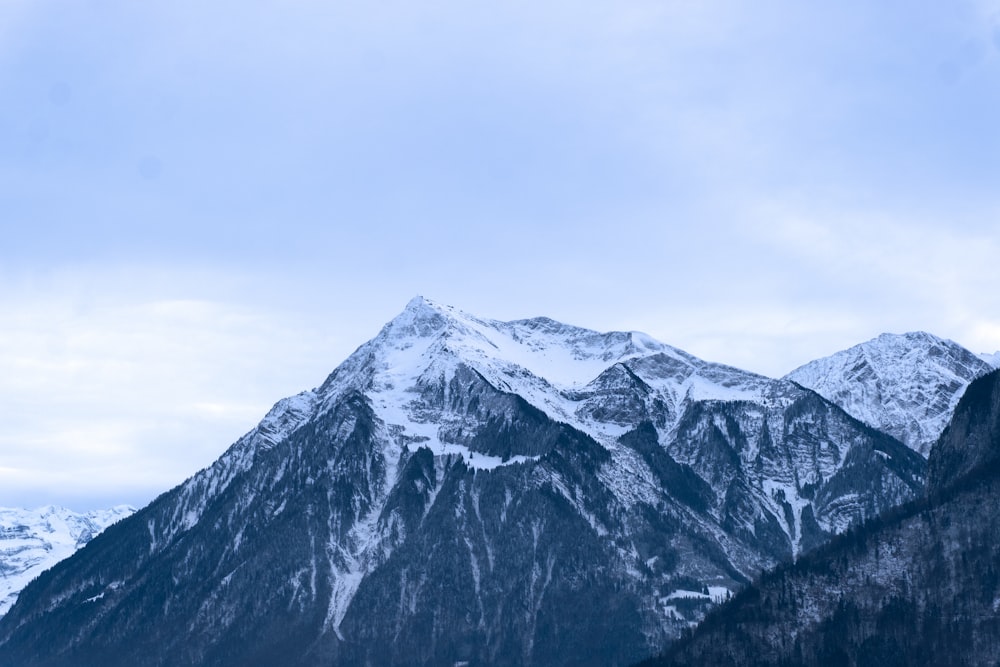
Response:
column 920, row 586
column 905, row 385
column 464, row 490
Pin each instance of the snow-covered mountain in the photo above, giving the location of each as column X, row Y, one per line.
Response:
column 32, row 541
column 906, row 385
column 992, row 359
column 466, row 490
column 918, row 587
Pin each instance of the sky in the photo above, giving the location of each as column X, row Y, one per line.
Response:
column 206, row 207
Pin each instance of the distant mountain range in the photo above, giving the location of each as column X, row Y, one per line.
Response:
column 463, row 490
column 31, row 541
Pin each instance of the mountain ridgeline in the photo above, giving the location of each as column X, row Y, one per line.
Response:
column 919, row 586
column 31, row 541
column 462, row 490
column 906, row 385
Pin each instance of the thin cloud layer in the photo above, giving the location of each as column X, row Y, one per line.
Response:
column 208, row 205
column 126, row 397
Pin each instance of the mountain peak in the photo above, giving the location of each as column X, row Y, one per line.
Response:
column 909, row 336
column 904, row 384
column 910, row 341
column 421, row 318
column 417, row 301
column 914, row 335
column 420, row 303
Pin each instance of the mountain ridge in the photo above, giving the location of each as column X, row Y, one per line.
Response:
column 390, row 514
column 904, row 384
column 32, row 541
column 917, row 586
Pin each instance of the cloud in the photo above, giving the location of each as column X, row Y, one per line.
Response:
column 212, row 203
column 896, row 269
column 146, row 389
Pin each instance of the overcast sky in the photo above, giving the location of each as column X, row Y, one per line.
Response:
column 206, row 206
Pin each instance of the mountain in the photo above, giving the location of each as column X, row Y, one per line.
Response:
column 971, row 442
column 905, row 385
column 463, row 490
column 920, row 586
column 32, row 541
column 992, row 359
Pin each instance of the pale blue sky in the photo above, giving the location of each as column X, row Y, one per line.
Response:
column 207, row 206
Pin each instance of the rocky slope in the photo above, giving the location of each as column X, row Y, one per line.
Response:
column 920, row 586
column 905, row 385
column 466, row 490
column 31, row 541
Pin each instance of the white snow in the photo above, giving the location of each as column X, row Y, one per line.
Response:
column 540, row 360
column 719, row 594
column 716, row 594
column 775, row 490
column 629, row 478
column 992, row 359
column 681, row 593
column 287, row 415
column 699, row 388
column 32, row 541
column 904, row 384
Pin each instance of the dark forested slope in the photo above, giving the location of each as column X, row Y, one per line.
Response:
column 921, row 586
